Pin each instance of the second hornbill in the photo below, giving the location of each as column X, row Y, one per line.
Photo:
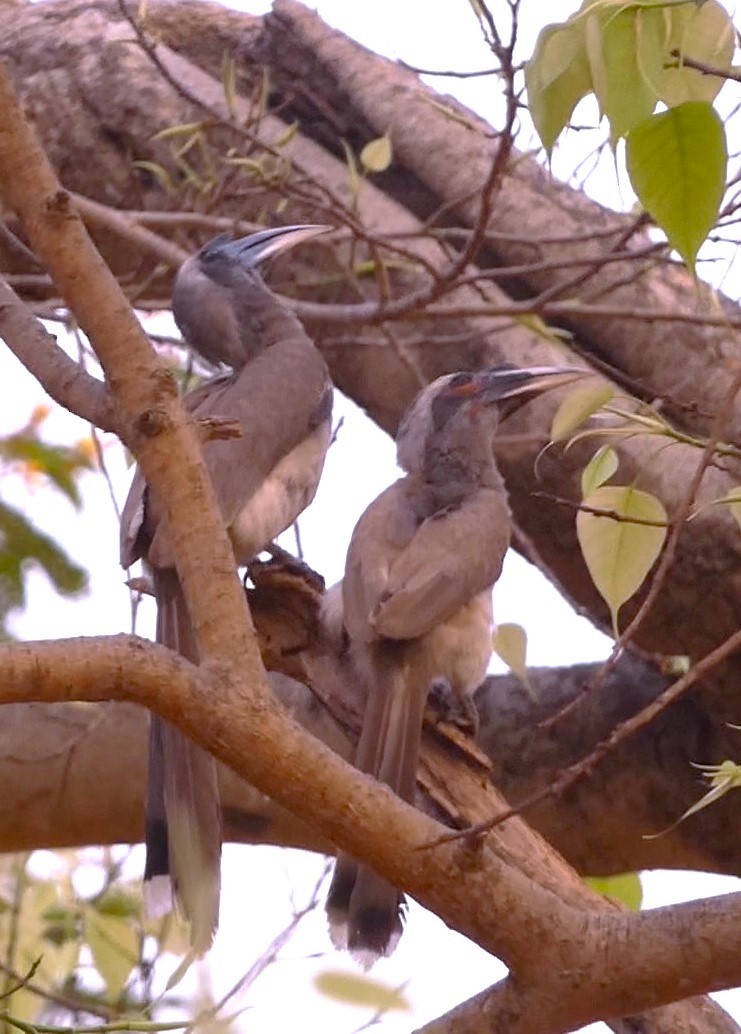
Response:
column 280, row 394
column 415, row 600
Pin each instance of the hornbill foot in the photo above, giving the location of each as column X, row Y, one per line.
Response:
column 453, row 708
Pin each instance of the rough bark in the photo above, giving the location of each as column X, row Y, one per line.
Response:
column 95, row 755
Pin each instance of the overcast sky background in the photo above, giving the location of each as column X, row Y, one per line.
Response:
column 436, row 967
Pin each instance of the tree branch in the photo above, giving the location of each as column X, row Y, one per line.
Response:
column 469, row 885
column 61, row 377
column 150, row 417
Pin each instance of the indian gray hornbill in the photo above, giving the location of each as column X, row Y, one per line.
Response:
column 280, row 393
column 415, row 601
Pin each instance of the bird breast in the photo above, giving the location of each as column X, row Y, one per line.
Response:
column 458, row 650
column 286, row 491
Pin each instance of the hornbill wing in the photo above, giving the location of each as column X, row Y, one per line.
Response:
column 268, row 474
column 454, row 555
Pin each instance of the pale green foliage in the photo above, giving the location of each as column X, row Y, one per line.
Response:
column 557, row 77
column 509, row 642
column 27, row 454
column 733, row 502
column 722, row 778
column 620, row 550
column 114, row 944
column 677, row 165
column 362, row 991
column 578, row 406
column 702, row 32
column 625, row 888
column 45, row 928
column 622, row 52
column 377, row 154
column 600, row 468
column 630, row 56
column 625, row 50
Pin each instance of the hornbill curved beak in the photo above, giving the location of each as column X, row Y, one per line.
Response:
column 254, row 249
column 504, row 382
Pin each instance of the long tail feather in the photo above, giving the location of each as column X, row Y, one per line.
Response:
column 365, row 911
column 183, row 827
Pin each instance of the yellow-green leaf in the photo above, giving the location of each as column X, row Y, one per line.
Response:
column 47, row 927
column 114, row 945
column 289, row 133
column 159, row 173
column 510, row 644
column 377, row 154
column 626, row 51
column 722, row 778
column 625, row 888
column 600, row 468
column 621, row 547
column 352, row 169
column 733, row 502
column 117, row 902
column 677, row 165
column 555, row 335
column 353, row 989
column 557, row 77
column 703, row 32
column 578, row 406
column 189, row 129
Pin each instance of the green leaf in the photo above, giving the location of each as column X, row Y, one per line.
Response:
column 352, row 989
column 578, row 406
column 20, row 541
column 555, row 335
column 189, row 129
column 557, row 77
column 510, row 644
column 352, row 169
column 677, row 165
column 159, row 173
column 47, row 937
column 114, row 945
column 600, row 468
column 626, row 50
column 733, row 502
column 619, row 552
column 287, row 135
column 116, row 902
column 625, row 888
column 705, row 33
column 377, row 154
column 722, row 778
column 60, row 463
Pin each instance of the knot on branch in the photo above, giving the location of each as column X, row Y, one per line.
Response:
column 59, row 205
column 152, row 422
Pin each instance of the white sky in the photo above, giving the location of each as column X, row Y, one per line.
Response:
column 437, row 968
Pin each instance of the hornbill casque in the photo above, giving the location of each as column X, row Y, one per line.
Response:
column 414, row 605
column 280, row 393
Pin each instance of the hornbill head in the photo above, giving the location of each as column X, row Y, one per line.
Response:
column 219, row 299
column 462, row 410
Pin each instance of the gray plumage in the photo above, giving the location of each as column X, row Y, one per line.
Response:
column 280, row 394
column 416, row 601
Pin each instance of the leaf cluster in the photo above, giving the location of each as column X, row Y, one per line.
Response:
column 634, row 56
